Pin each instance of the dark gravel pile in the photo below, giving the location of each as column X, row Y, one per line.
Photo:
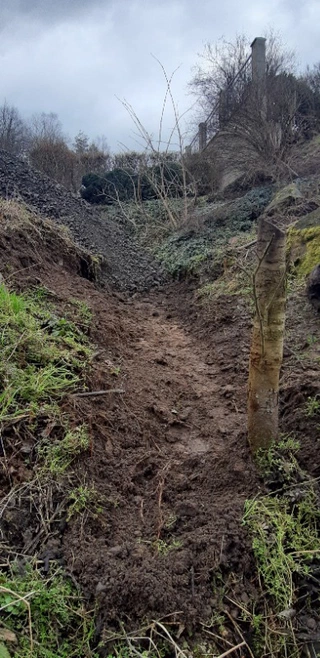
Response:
column 127, row 265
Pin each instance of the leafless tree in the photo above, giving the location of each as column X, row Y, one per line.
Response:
column 55, row 159
column 220, row 63
column 159, row 152
column 46, row 126
column 257, row 140
column 13, row 130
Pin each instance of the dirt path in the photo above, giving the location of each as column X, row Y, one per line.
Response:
column 169, row 470
column 189, row 396
column 171, row 466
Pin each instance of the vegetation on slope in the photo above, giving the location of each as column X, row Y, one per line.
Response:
column 44, row 358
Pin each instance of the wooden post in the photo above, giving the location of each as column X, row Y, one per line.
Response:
column 267, row 338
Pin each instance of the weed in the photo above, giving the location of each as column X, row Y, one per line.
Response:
column 41, row 294
column 285, row 537
column 312, row 406
column 46, row 615
column 81, row 313
column 311, row 340
column 124, row 651
column 153, row 640
column 170, row 521
column 115, row 370
column 236, row 285
column 163, row 547
column 58, row 455
column 279, row 461
column 80, row 499
column 43, row 357
column 286, row 544
column 285, row 541
column 192, row 251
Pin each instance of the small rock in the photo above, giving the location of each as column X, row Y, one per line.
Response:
column 245, row 598
column 311, row 623
column 115, row 550
column 26, row 449
column 100, row 588
column 228, row 391
column 222, row 430
column 289, row 613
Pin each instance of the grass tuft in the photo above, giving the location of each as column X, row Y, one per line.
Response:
column 43, row 356
column 43, row 615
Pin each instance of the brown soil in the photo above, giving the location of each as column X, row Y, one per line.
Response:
column 169, row 459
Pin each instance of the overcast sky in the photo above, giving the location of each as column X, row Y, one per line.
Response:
column 75, row 57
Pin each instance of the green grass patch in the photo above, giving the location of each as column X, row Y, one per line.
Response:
column 285, row 531
column 56, row 456
column 313, row 405
column 285, row 542
column 84, row 498
column 43, row 355
column 43, row 616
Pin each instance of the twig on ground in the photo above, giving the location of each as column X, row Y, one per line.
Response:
column 227, row 653
column 246, row 246
column 239, row 631
column 85, row 394
column 160, row 488
column 168, row 636
column 218, row 637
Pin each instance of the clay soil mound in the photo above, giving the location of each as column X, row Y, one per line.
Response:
column 126, row 265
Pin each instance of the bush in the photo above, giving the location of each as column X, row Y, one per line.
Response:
column 122, row 185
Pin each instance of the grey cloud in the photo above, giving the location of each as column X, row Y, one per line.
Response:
column 74, row 57
column 46, row 11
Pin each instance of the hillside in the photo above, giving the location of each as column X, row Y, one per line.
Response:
column 124, row 263
column 129, row 500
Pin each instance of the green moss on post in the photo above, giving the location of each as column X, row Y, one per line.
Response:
column 304, row 249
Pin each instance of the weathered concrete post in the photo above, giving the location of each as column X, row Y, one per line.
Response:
column 202, row 136
column 259, row 77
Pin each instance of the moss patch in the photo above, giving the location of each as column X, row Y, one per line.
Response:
column 285, row 198
column 304, row 249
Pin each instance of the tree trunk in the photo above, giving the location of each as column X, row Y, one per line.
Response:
column 266, row 354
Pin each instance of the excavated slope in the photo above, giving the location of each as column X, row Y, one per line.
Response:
column 127, row 266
